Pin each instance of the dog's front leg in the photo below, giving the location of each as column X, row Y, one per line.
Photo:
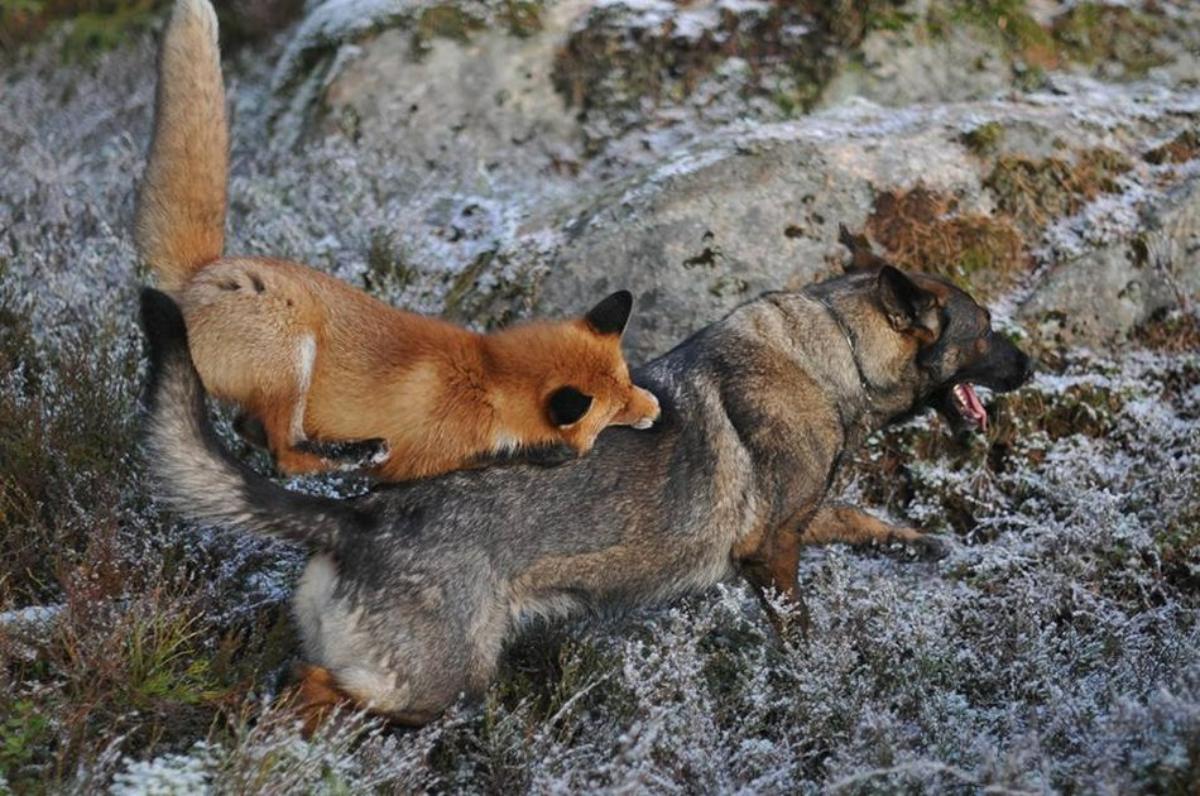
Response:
column 839, row 522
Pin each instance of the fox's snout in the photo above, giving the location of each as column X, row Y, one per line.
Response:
column 642, row 410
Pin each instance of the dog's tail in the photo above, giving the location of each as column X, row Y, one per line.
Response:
column 180, row 222
column 195, row 475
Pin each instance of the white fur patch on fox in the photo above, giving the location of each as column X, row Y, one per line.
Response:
column 506, row 442
column 306, row 356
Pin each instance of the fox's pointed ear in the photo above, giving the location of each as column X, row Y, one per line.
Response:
column 862, row 257
column 904, row 302
column 567, row 406
column 611, row 314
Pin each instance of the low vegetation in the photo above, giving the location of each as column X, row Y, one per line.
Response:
column 1054, row 648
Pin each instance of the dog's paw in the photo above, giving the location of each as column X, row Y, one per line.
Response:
column 927, row 548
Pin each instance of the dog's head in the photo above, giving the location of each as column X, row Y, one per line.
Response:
column 947, row 334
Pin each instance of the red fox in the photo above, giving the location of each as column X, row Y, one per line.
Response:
column 333, row 375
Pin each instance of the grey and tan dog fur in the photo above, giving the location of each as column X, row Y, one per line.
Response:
column 413, row 589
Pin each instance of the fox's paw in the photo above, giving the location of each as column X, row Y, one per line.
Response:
column 354, row 455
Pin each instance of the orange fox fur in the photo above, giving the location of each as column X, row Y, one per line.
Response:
column 314, row 359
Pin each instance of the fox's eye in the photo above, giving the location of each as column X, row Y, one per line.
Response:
column 567, row 405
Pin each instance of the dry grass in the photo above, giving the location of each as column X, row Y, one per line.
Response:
column 1180, row 149
column 67, row 433
column 1035, row 191
column 1176, row 332
column 921, row 230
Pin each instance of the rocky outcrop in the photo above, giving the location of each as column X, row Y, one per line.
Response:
column 1043, row 154
column 1102, row 293
column 1059, row 196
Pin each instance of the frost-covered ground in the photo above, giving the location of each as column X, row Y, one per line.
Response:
column 1056, row 647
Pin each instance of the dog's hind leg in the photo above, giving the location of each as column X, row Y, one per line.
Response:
column 838, row 522
column 317, row 696
column 771, row 562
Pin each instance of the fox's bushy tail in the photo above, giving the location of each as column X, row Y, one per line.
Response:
column 195, row 475
column 181, row 210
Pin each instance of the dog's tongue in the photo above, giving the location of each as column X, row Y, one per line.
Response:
column 970, row 406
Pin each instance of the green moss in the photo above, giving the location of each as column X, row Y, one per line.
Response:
column 447, row 21
column 106, row 28
column 604, row 72
column 1090, row 33
column 522, row 17
column 1087, row 33
column 984, row 139
column 93, row 25
column 882, row 16
column 1010, row 22
column 728, row 285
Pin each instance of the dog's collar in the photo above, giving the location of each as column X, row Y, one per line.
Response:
column 869, row 389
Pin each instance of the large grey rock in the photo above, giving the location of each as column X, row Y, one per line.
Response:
column 758, row 209
column 1102, row 293
column 633, row 143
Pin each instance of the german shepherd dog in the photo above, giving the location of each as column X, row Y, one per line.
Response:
column 413, row 588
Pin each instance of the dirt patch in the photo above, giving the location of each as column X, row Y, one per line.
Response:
column 921, row 230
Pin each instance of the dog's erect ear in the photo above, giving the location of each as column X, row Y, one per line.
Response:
column 904, row 302
column 611, row 314
column 862, row 258
column 567, row 405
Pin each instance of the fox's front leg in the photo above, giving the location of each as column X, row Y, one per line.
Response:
column 359, row 454
column 296, row 454
column 839, row 522
column 285, row 438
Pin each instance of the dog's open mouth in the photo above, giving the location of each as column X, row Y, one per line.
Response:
column 969, row 406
